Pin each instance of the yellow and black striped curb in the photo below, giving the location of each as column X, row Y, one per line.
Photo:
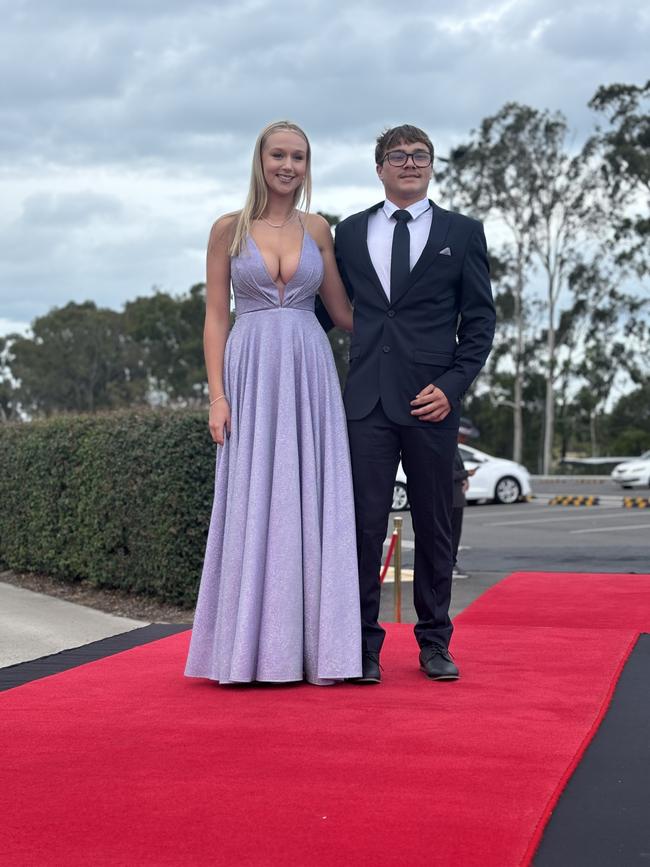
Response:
column 574, row 500
column 636, row 503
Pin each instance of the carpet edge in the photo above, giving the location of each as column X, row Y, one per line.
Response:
column 73, row 657
column 542, row 822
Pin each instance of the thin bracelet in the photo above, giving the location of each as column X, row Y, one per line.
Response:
column 216, row 399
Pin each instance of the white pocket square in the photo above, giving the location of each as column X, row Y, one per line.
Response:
column 445, row 252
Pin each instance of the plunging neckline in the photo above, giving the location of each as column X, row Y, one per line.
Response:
column 282, row 293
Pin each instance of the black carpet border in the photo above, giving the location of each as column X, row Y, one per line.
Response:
column 24, row 672
column 602, row 818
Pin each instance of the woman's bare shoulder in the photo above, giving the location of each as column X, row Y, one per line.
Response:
column 318, row 228
column 223, row 229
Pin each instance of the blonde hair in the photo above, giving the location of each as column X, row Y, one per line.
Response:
column 257, row 198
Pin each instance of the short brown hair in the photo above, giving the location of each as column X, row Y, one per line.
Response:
column 397, row 134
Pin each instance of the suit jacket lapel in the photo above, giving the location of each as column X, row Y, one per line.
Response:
column 440, row 222
column 365, row 253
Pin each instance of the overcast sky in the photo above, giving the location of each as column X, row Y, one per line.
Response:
column 126, row 126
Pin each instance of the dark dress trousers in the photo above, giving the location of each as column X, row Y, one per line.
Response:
column 437, row 329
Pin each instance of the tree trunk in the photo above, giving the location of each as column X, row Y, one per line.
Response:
column 518, row 420
column 592, row 434
column 517, row 413
column 549, row 412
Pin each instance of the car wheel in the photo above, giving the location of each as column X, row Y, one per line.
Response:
column 507, row 491
column 400, row 498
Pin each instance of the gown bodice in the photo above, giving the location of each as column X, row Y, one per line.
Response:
column 254, row 290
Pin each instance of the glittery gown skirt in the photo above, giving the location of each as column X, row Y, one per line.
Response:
column 279, row 594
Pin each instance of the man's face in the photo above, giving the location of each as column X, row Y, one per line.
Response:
column 407, row 183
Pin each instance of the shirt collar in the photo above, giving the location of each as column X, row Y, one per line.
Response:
column 415, row 210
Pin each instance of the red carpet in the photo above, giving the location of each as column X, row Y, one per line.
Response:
column 124, row 762
column 594, row 600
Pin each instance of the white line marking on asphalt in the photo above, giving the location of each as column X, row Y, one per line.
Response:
column 604, row 529
column 563, row 517
column 507, row 510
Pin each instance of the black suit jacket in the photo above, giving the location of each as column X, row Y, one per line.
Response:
column 438, row 329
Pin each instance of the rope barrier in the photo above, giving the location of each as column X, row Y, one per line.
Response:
column 395, row 547
column 389, row 556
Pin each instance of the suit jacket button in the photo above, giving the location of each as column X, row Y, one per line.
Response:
column 385, row 349
column 391, row 313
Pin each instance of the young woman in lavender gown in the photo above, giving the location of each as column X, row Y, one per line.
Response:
column 279, row 594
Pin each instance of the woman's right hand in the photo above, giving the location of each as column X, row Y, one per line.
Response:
column 219, row 421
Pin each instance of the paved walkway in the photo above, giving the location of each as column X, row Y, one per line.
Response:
column 34, row 625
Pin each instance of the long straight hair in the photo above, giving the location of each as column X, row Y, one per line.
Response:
column 257, row 198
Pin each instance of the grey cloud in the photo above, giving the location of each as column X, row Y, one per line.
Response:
column 183, row 89
column 169, row 89
column 44, row 265
column 598, row 33
column 69, row 209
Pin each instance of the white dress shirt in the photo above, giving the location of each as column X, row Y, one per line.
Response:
column 380, row 236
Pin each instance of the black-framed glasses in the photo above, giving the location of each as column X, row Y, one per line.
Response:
column 421, row 159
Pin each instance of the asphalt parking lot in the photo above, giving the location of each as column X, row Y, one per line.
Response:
column 605, row 538
column 539, row 536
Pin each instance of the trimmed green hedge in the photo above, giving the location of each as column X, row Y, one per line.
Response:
column 122, row 499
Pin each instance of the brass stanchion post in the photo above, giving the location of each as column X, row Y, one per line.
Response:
column 397, row 528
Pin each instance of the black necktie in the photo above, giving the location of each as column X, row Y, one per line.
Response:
column 400, row 260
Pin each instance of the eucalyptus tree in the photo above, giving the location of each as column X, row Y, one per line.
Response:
column 518, row 169
column 605, row 335
column 624, row 143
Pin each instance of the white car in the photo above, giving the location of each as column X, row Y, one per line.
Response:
column 633, row 474
column 495, row 480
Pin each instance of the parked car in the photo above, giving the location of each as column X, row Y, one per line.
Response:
column 495, row 480
column 633, row 474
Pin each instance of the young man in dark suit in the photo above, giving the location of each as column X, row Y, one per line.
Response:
column 423, row 327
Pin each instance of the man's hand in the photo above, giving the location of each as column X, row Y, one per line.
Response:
column 431, row 404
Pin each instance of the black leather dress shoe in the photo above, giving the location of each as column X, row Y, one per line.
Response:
column 436, row 662
column 371, row 668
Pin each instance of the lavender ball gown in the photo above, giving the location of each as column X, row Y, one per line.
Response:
column 279, row 595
